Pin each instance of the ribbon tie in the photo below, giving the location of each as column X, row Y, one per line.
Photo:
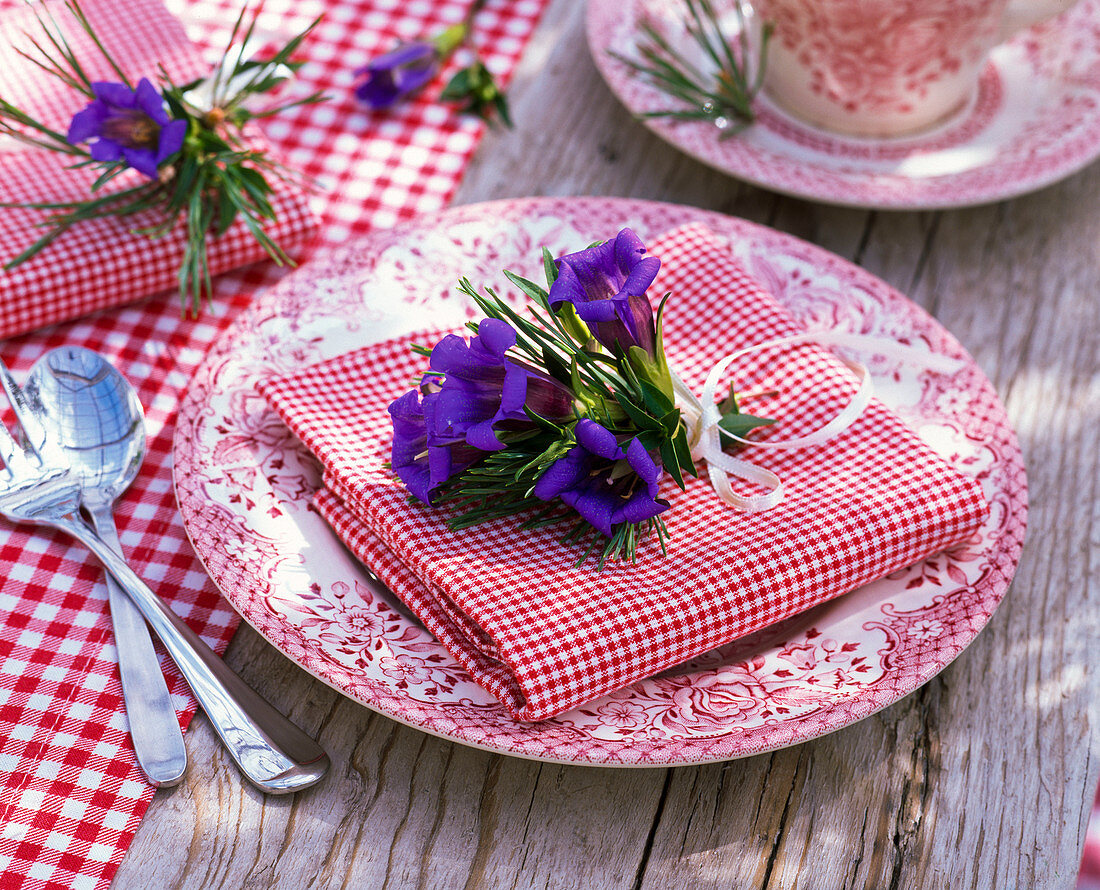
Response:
column 701, row 414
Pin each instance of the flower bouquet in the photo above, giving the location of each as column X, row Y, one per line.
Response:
column 569, row 415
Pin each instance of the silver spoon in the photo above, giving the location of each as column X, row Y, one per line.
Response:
column 93, row 413
column 273, row 753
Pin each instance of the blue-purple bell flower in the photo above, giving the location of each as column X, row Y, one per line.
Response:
column 484, row 393
column 605, row 483
column 606, row 285
column 409, row 451
column 131, row 125
column 423, row 465
column 396, row 75
column 472, row 395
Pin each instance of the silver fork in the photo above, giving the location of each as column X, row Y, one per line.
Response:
column 273, row 753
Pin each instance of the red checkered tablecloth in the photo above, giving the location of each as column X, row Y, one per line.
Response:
column 71, row 795
column 871, row 500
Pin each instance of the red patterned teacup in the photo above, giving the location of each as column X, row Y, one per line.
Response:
column 885, row 67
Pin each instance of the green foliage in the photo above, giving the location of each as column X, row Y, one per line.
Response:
column 734, row 421
column 723, row 94
column 479, row 94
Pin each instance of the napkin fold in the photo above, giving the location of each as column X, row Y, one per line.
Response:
column 101, row 262
column 545, row 636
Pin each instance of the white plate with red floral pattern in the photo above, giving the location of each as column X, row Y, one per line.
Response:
column 1034, row 120
column 244, row 485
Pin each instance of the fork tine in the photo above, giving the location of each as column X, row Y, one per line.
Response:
column 34, row 432
column 9, row 450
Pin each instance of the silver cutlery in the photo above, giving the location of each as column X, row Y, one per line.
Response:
column 92, row 413
column 37, row 486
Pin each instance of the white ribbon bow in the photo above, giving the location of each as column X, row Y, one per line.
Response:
column 701, row 414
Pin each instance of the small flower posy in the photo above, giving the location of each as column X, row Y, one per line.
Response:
column 387, row 80
column 187, row 140
column 403, row 71
column 566, row 416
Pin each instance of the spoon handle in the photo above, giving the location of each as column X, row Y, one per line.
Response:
column 154, row 727
column 273, row 753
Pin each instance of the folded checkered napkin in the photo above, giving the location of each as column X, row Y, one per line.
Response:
column 100, row 262
column 545, row 636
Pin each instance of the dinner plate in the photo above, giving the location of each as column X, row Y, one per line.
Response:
column 1034, row 120
column 244, row 485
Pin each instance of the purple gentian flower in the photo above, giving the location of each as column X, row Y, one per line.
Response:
column 483, row 391
column 421, row 466
column 402, row 71
column 605, row 483
column 473, row 392
column 606, row 285
column 408, row 453
column 131, row 125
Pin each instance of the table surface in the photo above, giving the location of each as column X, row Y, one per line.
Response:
column 983, row 778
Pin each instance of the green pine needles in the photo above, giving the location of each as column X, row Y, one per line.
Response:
column 721, row 84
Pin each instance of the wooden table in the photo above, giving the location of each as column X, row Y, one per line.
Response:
column 981, row 779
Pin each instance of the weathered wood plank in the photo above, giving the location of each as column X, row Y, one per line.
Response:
column 981, row 779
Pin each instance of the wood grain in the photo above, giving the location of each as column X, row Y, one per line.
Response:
column 982, row 779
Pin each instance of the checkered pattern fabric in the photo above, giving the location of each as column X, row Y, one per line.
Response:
column 102, row 262
column 71, row 795
column 385, row 166
column 545, row 636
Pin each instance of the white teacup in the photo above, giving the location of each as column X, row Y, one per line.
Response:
column 885, row 67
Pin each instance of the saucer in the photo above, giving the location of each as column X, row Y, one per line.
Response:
column 1035, row 119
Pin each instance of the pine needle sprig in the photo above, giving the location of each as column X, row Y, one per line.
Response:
column 15, row 123
column 500, row 486
column 723, row 94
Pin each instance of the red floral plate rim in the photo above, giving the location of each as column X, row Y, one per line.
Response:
column 1034, row 121
column 244, row 483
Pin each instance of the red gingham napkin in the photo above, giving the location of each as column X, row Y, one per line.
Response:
column 102, row 262
column 545, row 636
column 71, row 794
